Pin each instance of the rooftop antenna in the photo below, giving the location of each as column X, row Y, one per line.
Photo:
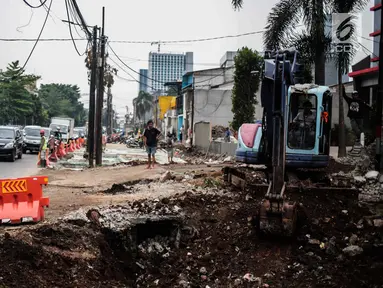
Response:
column 157, row 43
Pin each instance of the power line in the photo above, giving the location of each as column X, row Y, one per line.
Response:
column 126, row 65
column 35, row 7
column 133, row 79
column 154, row 80
column 190, row 40
column 29, row 22
column 371, row 53
column 40, row 40
column 136, row 42
column 70, row 29
column 84, row 26
column 41, row 32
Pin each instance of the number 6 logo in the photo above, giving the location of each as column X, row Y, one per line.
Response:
column 346, row 24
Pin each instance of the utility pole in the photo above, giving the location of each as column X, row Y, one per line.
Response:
column 92, row 98
column 109, row 111
column 100, row 93
column 379, row 99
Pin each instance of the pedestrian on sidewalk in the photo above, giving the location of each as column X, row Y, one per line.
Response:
column 227, row 135
column 170, row 147
column 181, row 132
column 151, row 136
column 356, row 111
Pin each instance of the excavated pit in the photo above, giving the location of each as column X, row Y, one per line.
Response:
column 196, row 240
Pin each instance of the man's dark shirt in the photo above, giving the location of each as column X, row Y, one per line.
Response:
column 151, row 137
column 356, row 108
column 58, row 135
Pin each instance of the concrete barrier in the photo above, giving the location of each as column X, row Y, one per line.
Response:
column 220, row 148
column 223, row 148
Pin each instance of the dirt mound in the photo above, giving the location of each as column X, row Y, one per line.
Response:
column 215, row 245
column 60, row 256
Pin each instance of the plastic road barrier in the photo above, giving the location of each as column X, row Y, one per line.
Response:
column 21, row 200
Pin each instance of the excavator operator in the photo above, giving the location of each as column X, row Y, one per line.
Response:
column 304, row 127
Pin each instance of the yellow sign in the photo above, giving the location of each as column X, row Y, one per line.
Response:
column 14, row 186
column 166, row 103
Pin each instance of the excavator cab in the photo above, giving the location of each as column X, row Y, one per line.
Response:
column 309, row 126
column 307, row 131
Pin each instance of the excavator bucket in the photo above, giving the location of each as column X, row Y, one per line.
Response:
column 277, row 218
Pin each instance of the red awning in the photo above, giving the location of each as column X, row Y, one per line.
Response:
column 376, row 7
column 363, row 71
column 375, row 33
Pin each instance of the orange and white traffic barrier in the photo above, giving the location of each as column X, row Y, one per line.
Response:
column 71, row 148
column 21, row 200
column 61, row 150
column 54, row 157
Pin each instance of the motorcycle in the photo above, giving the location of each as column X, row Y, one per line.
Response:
column 134, row 143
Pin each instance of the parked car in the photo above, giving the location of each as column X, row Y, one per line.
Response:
column 11, row 143
column 32, row 138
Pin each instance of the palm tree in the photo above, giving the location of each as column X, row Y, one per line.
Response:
column 144, row 103
column 288, row 14
column 312, row 43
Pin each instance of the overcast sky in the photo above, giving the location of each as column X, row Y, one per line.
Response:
column 146, row 20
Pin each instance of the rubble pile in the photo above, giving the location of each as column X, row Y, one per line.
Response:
column 197, row 237
column 197, row 157
column 218, row 131
column 372, row 188
column 363, row 162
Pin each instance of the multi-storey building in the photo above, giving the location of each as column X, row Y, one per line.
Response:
column 143, row 84
column 167, row 67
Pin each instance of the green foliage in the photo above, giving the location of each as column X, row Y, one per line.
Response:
column 23, row 104
column 16, row 94
column 62, row 100
column 248, row 67
column 144, row 102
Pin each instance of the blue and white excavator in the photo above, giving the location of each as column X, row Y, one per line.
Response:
column 294, row 133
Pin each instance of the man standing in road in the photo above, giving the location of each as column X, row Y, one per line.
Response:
column 356, row 110
column 151, row 136
column 43, row 149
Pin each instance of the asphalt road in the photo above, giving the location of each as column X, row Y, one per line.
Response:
column 27, row 166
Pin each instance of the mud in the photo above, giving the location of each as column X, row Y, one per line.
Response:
column 197, row 239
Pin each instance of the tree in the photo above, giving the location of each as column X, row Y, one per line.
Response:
column 248, row 66
column 287, row 14
column 62, row 100
column 16, row 91
column 144, row 103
